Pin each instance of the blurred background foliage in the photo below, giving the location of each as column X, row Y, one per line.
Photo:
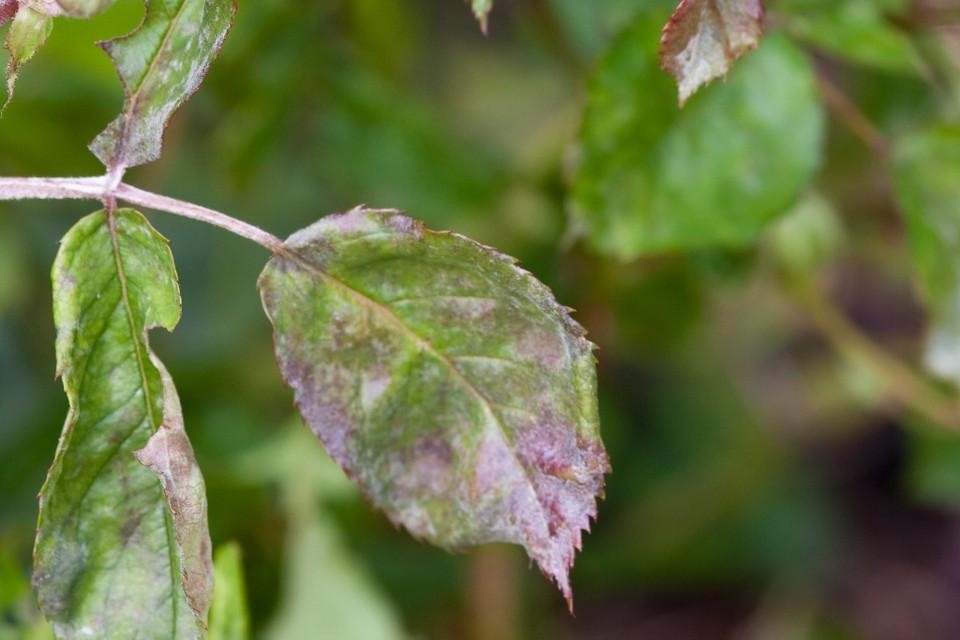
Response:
column 766, row 484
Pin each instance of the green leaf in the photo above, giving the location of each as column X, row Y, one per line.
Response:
column 926, row 170
column 481, row 9
column 445, row 380
column 84, row 8
column 807, row 236
column 704, row 38
column 854, row 30
column 229, row 618
column 112, row 558
column 28, row 31
column 653, row 179
column 161, row 65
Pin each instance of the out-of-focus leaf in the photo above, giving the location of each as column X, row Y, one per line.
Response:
column 704, row 38
column 854, row 30
column 481, row 9
column 933, row 466
column 28, row 31
column 107, row 561
column 326, row 593
column 927, row 181
column 161, row 65
column 84, row 8
column 445, row 380
column 807, row 236
column 8, row 9
column 653, row 179
column 229, row 618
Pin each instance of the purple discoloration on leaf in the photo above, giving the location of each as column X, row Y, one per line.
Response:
column 704, row 38
column 444, row 379
column 8, row 8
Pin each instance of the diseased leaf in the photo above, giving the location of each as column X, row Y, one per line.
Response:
column 653, row 179
column 927, row 183
column 445, row 380
column 229, row 618
column 107, row 563
column 8, row 9
column 481, row 9
column 28, row 31
column 161, row 65
column 704, row 38
column 84, row 8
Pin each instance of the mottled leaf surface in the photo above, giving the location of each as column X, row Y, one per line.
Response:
column 654, row 179
column 704, row 38
column 107, row 558
column 927, row 182
column 229, row 617
column 161, row 65
column 444, row 379
column 28, row 31
column 481, row 9
column 8, row 8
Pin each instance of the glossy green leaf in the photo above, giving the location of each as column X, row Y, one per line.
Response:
column 855, row 30
column 481, row 9
column 161, row 65
column 927, row 182
column 113, row 559
column 28, row 31
column 84, row 8
column 654, row 179
column 444, row 379
column 229, row 618
column 704, row 38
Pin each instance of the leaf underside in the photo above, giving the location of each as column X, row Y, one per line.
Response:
column 113, row 559
column 653, row 179
column 161, row 65
column 84, row 8
column 445, row 380
column 704, row 38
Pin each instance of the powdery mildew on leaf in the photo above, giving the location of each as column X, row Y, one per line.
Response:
column 445, row 380
column 704, row 38
column 106, row 563
column 83, row 8
column 169, row 454
column 28, row 32
column 161, row 65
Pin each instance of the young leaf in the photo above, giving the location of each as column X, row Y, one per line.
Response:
column 28, row 31
column 927, row 167
column 84, row 8
column 445, row 380
column 112, row 559
column 481, row 9
column 8, row 9
column 704, row 38
column 161, row 65
column 654, row 179
column 229, row 618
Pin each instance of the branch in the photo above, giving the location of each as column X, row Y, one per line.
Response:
column 902, row 383
column 96, row 188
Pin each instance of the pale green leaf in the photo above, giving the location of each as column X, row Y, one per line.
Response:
column 229, row 618
column 28, row 31
column 806, row 236
column 654, row 179
column 856, row 30
column 927, row 182
column 444, row 379
column 481, row 9
column 112, row 558
column 704, row 38
column 161, row 65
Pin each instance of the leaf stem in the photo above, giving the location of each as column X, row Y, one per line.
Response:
column 99, row 188
column 901, row 382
